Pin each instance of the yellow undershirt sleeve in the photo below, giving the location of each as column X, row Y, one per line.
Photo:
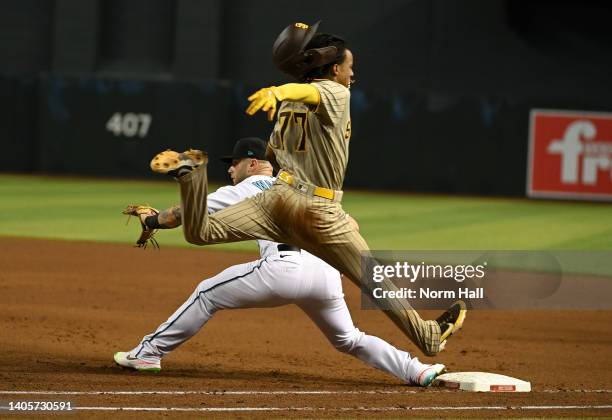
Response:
column 298, row 92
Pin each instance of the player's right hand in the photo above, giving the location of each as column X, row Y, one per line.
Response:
column 264, row 99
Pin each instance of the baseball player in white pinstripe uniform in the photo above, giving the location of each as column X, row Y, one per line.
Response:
column 284, row 274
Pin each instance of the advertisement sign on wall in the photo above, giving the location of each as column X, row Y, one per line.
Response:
column 570, row 155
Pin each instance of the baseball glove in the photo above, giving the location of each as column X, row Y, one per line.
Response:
column 147, row 234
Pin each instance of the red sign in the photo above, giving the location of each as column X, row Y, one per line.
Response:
column 570, row 155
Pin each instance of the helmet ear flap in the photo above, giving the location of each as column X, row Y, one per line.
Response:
column 317, row 57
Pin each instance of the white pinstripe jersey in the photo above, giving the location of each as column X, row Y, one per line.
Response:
column 312, row 143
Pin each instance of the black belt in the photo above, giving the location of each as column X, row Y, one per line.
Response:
column 285, row 247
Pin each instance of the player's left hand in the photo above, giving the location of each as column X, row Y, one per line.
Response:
column 264, row 99
column 142, row 212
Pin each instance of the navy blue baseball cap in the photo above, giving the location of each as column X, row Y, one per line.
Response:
column 248, row 147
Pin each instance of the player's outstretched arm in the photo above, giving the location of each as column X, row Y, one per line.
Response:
column 165, row 219
column 151, row 220
column 265, row 99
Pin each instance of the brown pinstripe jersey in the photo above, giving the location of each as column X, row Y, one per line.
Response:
column 312, row 143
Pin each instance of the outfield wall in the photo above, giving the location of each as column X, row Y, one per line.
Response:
column 453, row 143
column 441, row 104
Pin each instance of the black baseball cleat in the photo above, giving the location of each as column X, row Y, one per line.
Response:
column 178, row 164
column 451, row 321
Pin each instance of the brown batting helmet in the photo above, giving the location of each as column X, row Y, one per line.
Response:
column 288, row 51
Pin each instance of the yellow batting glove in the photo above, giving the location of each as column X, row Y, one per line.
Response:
column 265, row 100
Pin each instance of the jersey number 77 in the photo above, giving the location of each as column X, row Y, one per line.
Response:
column 292, row 118
column 288, row 119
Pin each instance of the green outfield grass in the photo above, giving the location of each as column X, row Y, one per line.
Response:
column 78, row 209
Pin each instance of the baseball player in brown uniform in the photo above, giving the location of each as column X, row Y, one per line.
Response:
column 310, row 144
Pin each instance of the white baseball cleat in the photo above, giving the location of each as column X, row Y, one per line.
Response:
column 426, row 376
column 126, row 360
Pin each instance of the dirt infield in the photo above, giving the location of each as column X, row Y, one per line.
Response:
column 68, row 306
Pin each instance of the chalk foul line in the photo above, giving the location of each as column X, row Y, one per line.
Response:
column 279, row 392
column 395, row 408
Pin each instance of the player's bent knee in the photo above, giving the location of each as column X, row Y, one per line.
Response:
column 347, row 342
column 208, row 305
